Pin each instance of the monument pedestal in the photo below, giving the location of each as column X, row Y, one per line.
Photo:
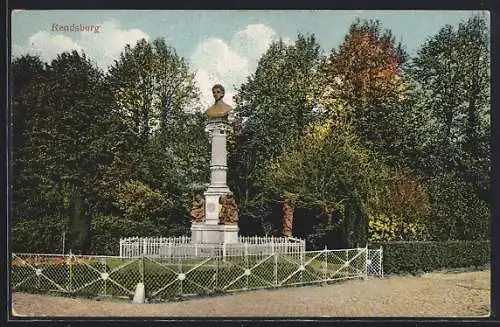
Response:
column 202, row 233
column 228, row 233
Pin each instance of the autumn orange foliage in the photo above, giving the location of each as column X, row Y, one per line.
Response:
column 367, row 66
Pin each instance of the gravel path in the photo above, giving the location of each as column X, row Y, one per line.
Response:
column 434, row 294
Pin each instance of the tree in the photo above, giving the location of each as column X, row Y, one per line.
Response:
column 92, row 149
column 328, row 169
column 26, row 74
column 143, row 80
column 367, row 72
column 451, row 76
column 271, row 110
column 61, row 141
column 163, row 147
column 452, row 69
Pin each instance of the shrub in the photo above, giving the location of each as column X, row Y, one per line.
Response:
column 414, row 257
column 42, row 235
column 386, row 228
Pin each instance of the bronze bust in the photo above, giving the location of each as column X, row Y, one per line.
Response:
column 219, row 109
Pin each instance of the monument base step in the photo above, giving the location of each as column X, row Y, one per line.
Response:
column 202, row 233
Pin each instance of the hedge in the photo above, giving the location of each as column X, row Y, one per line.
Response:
column 416, row 257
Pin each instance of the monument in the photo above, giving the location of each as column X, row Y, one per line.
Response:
column 214, row 215
column 219, row 223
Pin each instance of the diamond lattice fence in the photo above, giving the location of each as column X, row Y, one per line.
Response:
column 167, row 279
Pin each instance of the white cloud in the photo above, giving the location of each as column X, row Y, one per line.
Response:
column 229, row 63
column 288, row 41
column 253, row 40
column 218, row 57
column 17, row 50
column 46, row 45
column 103, row 47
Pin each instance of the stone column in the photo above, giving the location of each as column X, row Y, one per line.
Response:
column 217, row 129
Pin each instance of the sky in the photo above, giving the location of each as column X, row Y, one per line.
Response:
column 221, row 46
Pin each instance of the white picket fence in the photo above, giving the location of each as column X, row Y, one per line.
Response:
column 181, row 247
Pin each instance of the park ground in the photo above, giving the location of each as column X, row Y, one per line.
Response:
column 437, row 294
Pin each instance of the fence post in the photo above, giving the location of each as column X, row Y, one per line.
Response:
column 169, row 252
column 105, row 268
column 247, row 267
column 276, row 269
column 381, row 265
column 181, row 291
column 142, row 268
column 347, row 264
column 217, row 272
column 326, row 265
column 366, row 262
column 301, row 267
column 70, row 259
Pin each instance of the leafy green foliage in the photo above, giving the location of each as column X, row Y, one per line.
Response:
column 414, row 257
column 450, row 78
column 81, row 155
column 391, row 228
column 271, row 109
column 456, row 211
column 58, row 154
column 139, row 202
column 107, row 230
column 400, row 211
column 164, row 148
column 315, row 172
column 452, row 75
column 43, row 235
